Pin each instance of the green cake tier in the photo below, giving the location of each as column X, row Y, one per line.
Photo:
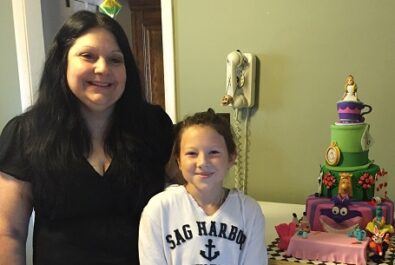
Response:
column 353, row 142
column 362, row 182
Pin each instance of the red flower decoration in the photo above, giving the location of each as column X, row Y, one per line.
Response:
column 328, row 180
column 366, row 181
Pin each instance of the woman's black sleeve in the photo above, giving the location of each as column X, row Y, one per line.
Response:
column 12, row 160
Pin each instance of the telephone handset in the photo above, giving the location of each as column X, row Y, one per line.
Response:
column 240, row 93
column 240, row 80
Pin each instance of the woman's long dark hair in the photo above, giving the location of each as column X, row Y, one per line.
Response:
column 58, row 132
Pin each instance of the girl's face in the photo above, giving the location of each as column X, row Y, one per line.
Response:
column 204, row 159
column 96, row 71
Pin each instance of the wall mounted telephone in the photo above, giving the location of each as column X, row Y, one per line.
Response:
column 240, row 94
column 240, row 80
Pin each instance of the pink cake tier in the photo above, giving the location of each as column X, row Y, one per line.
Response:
column 321, row 216
column 332, row 247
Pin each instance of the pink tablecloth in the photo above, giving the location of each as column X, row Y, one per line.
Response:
column 328, row 247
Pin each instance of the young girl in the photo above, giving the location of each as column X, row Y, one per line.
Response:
column 201, row 222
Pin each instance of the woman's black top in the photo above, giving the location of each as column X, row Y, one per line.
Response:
column 82, row 217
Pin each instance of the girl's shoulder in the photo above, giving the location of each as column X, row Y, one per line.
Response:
column 175, row 191
column 170, row 197
column 245, row 201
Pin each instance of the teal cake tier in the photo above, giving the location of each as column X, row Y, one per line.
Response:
column 362, row 182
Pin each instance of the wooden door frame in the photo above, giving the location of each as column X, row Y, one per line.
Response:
column 29, row 39
column 168, row 57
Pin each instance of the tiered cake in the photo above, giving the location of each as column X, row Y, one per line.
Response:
column 350, row 216
column 349, row 176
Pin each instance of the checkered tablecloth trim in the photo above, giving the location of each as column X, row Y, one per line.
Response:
column 275, row 253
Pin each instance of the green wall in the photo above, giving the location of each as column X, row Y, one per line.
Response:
column 305, row 49
column 9, row 92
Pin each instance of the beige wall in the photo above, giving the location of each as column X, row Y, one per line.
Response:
column 9, row 92
column 305, row 50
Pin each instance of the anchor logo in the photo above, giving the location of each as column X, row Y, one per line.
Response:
column 210, row 255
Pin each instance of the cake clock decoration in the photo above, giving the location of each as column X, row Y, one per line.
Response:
column 332, row 154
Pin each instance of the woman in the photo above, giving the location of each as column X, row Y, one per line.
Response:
column 86, row 157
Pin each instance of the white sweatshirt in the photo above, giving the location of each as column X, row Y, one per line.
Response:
column 174, row 230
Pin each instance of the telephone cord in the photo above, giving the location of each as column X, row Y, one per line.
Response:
column 246, row 149
column 241, row 166
column 238, row 166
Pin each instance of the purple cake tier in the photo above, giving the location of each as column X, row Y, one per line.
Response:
column 315, row 206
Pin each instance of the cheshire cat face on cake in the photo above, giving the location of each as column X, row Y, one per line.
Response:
column 349, row 181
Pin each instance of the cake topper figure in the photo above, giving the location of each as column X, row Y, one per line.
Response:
column 350, row 89
column 379, row 232
column 350, row 109
column 303, row 228
column 345, row 187
column 379, row 222
column 378, row 245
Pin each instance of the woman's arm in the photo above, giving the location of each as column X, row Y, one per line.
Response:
column 15, row 211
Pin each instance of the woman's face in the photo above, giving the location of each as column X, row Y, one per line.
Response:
column 96, row 72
